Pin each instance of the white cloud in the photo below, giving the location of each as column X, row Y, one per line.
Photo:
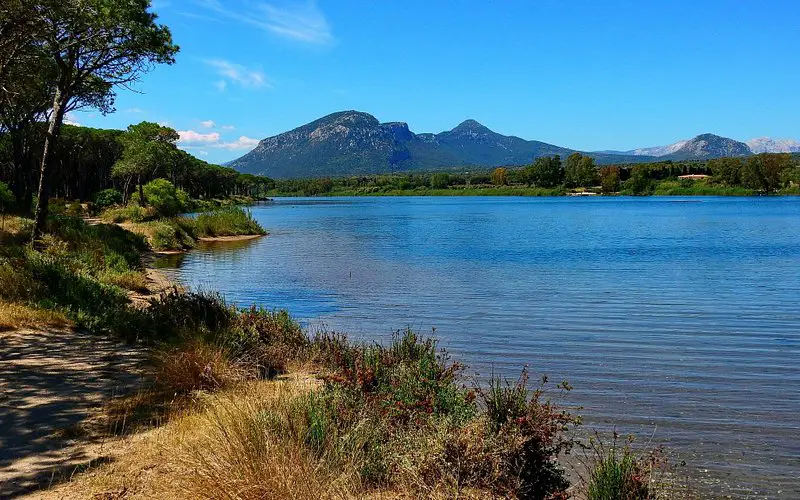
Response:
column 228, row 127
column 71, row 119
column 202, row 153
column 301, row 21
column 242, row 142
column 208, row 124
column 190, row 137
column 237, row 73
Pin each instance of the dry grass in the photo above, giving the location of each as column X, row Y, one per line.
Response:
column 13, row 316
column 197, row 366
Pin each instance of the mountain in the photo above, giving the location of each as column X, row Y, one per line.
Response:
column 768, row 145
column 707, row 146
column 354, row 143
column 651, row 151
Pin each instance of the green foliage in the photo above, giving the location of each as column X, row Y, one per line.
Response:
column 165, row 197
column 639, row 183
column 622, row 473
column 169, row 234
column 6, row 202
column 609, row 179
column 545, row 172
column 440, row 181
column 231, row 221
column 580, row 171
column 132, row 213
column 107, row 198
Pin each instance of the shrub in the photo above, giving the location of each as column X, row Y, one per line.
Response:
column 132, row 213
column 166, row 234
column 231, row 221
column 75, row 209
column 197, row 366
column 175, row 315
column 539, row 430
column 167, row 200
column 107, row 198
column 622, row 473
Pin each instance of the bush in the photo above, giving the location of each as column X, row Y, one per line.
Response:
column 231, row 221
column 168, row 234
column 107, row 198
column 132, row 213
column 197, row 366
column 165, row 198
column 622, row 474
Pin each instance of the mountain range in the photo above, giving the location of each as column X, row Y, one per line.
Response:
column 356, row 143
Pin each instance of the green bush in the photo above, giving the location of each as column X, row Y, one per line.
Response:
column 230, row 221
column 622, row 474
column 129, row 213
column 168, row 234
column 167, row 200
column 107, row 198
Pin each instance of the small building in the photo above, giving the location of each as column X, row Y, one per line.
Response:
column 694, row 177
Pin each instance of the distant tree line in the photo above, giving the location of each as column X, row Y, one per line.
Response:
column 765, row 173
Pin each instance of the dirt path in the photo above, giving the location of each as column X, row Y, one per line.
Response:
column 52, row 385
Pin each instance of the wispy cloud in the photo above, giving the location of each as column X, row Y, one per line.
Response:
column 228, row 127
column 193, row 140
column 301, row 22
column 239, row 74
column 134, row 110
column 71, row 119
column 243, row 142
column 208, row 124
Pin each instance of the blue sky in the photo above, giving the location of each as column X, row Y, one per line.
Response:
column 580, row 74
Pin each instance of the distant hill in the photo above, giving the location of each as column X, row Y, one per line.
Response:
column 707, row 146
column 353, row 143
column 769, row 145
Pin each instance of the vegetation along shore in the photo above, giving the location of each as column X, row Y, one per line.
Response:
column 577, row 174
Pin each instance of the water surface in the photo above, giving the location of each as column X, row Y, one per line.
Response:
column 672, row 317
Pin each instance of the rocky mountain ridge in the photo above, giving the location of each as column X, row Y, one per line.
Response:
column 356, row 143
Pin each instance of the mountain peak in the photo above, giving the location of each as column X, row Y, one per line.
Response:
column 770, row 145
column 471, row 126
column 350, row 116
column 710, row 146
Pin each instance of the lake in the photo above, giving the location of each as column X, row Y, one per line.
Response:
column 675, row 318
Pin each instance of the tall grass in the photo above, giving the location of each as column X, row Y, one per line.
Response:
column 230, row 221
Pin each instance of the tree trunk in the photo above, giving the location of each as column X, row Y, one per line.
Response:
column 20, row 176
column 51, row 138
column 141, row 193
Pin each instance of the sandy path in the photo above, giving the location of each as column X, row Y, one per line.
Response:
column 51, row 385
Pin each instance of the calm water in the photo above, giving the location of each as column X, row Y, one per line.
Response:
column 672, row 317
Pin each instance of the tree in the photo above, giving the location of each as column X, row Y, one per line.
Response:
column 440, row 181
column 500, row 176
column 639, row 182
column 95, row 45
column 148, row 149
column 726, row 170
column 609, row 179
column 580, row 171
column 545, row 172
column 165, row 197
column 6, row 200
